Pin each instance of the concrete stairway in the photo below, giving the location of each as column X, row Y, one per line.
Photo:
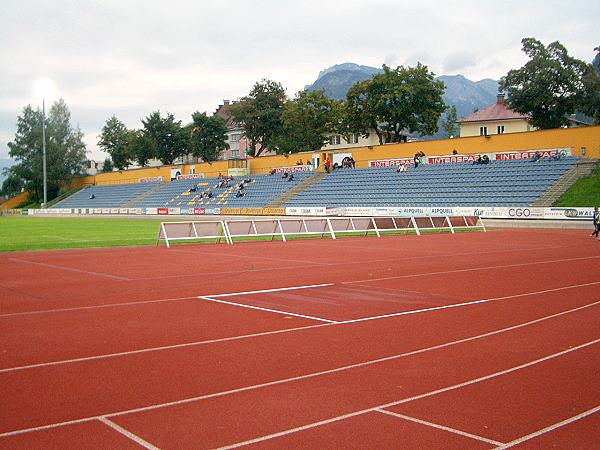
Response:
column 582, row 169
column 142, row 196
column 301, row 187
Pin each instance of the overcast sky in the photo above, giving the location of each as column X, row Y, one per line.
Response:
column 129, row 58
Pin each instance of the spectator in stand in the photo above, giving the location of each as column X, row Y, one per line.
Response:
column 327, row 165
column 417, row 159
column 485, row 159
column 559, row 155
column 536, row 157
column 299, row 163
column 454, row 152
column 285, row 175
column 596, row 220
column 352, row 163
column 479, row 160
column 291, row 177
column 272, row 172
column 402, row 168
column 92, row 197
column 239, row 194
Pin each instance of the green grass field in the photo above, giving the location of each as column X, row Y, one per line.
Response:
column 28, row 233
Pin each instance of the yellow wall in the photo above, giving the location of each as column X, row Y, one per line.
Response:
column 510, row 126
column 574, row 138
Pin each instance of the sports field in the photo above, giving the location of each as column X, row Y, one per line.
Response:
column 469, row 340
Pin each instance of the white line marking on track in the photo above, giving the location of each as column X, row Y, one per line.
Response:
column 410, row 399
column 156, row 349
column 70, row 269
column 190, row 344
column 262, row 291
column 471, row 269
column 109, row 305
column 276, row 311
column 441, row 427
column 474, row 302
column 129, row 434
column 550, row 428
column 340, row 369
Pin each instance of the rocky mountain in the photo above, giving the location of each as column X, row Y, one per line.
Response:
column 461, row 92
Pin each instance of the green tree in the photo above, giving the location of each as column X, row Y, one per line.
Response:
column 259, row 114
column 113, row 139
column 141, row 147
column 208, row 136
column 170, row 141
column 307, row 119
column 450, row 121
column 65, row 150
column 395, row 101
column 107, row 166
column 12, row 185
column 551, row 86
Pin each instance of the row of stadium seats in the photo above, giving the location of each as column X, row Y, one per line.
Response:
column 500, row 183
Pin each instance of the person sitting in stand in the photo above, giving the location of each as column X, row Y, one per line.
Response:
column 352, row 162
column 417, row 159
column 239, row 194
column 559, row 155
column 285, row 175
column 536, row 157
column 479, row 160
column 327, row 165
column 272, row 172
column 454, row 152
column 401, row 168
column 228, row 184
column 485, row 159
column 299, row 163
column 192, row 189
column 92, row 197
column 291, row 177
column 247, row 180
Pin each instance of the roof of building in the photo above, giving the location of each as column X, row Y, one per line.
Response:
column 223, row 111
column 497, row 111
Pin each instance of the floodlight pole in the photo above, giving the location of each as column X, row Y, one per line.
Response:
column 44, row 151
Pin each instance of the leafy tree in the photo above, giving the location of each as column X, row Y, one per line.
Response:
column 259, row 114
column 551, row 86
column 12, row 185
column 450, row 121
column 170, row 141
column 306, row 121
column 65, row 150
column 140, row 146
column 107, row 166
column 405, row 98
column 208, row 136
column 113, row 140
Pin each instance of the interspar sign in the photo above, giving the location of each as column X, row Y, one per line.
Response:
column 390, row 162
column 302, row 168
column 451, row 159
column 190, row 176
column 150, row 179
column 528, row 154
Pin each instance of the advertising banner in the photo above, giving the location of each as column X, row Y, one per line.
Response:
column 150, row 179
column 212, row 210
column 307, row 211
column 390, row 162
column 527, row 154
column 289, row 169
column 199, row 211
column 569, row 213
column 174, row 211
column 151, row 211
column 162, row 211
column 451, row 159
column 190, row 176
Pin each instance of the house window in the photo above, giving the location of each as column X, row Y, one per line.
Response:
column 334, row 140
column 353, row 138
column 234, row 138
column 235, row 153
column 500, row 129
column 482, row 131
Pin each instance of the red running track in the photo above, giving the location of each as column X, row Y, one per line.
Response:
column 476, row 340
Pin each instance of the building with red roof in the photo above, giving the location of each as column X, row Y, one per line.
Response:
column 495, row 119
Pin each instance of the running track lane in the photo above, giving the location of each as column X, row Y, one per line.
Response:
column 284, row 405
column 247, row 415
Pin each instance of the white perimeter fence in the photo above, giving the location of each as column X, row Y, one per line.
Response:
column 227, row 230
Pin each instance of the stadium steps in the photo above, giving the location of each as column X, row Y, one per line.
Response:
column 142, row 196
column 301, row 187
column 582, row 168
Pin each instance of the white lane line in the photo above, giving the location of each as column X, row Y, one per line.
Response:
column 330, row 371
column 128, row 434
column 441, row 427
column 474, row 302
column 276, row 311
column 550, row 428
column 471, row 269
column 157, row 349
column 70, row 269
column 212, row 341
column 409, row 399
column 108, row 305
column 262, row 291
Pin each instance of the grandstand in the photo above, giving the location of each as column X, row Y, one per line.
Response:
column 500, row 183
